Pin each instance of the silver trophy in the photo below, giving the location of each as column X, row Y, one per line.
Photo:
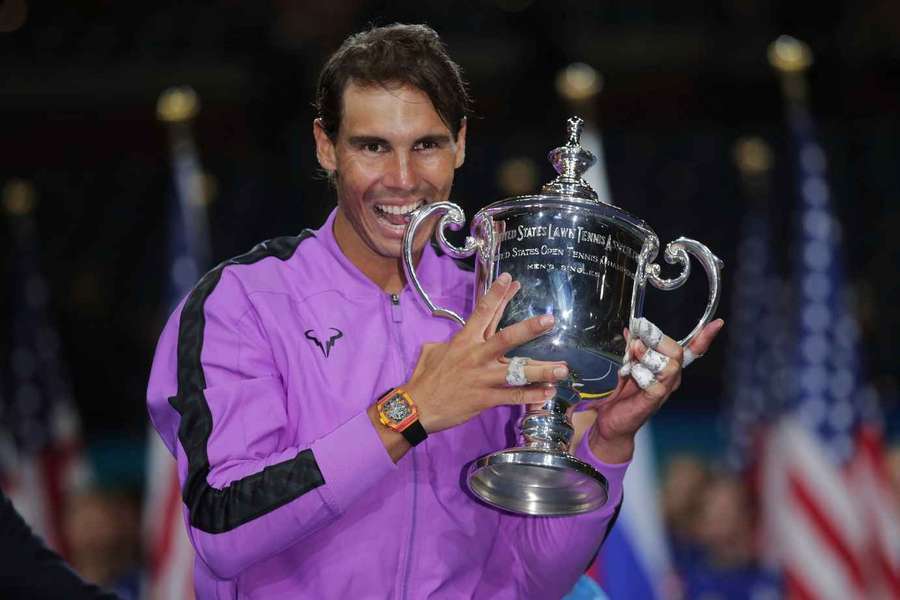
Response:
column 587, row 263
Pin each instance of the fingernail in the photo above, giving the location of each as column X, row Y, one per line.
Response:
column 546, row 320
column 560, row 372
column 504, row 278
column 549, row 392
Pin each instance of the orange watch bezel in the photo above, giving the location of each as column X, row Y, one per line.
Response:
column 399, row 427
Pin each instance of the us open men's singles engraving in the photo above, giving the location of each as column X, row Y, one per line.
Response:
column 570, row 245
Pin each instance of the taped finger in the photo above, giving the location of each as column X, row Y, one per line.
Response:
column 642, row 376
column 654, row 361
column 689, row 357
column 649, row 333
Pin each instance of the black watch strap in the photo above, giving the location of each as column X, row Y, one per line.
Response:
column 415, row 434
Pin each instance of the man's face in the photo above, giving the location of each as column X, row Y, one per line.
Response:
column 392, row 153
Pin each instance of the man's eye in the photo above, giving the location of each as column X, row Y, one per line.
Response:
column 427, row 145
column 374, row 147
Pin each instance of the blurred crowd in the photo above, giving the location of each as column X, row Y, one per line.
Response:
column 712, row 519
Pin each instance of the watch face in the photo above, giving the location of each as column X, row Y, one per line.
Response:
column 396, row 409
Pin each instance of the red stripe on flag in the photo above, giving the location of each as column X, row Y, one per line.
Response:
column 171, row 512
column 889, row 575
column 794, row 587
column 825, row 527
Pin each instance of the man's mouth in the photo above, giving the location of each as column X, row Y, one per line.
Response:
column 397, row 215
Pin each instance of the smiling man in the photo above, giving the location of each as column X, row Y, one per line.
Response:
column 322, row 420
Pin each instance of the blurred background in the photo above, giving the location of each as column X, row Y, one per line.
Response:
column 91, row 169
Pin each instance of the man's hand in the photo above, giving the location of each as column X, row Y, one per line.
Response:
column 652, row 375
column 457, row 380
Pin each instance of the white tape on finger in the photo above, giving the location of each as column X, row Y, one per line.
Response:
column 649, row 333
column 689, row 357
column 515, row 371
column 654, row 361
column 642, row 376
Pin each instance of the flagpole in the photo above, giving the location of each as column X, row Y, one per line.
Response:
column 792, row 58
column 177, row 108
column 170, row 554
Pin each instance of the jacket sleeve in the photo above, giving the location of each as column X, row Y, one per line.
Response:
column 218, row 401
column 550, row 553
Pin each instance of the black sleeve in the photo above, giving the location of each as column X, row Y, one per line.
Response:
column 28, row 569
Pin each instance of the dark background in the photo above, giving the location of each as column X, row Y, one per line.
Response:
column 79, row 82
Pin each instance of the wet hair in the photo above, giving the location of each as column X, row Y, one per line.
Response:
column 394, row 54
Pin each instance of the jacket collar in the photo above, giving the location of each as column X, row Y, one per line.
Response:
column 428, row 270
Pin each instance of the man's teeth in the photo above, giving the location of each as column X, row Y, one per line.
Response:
column 398, row 210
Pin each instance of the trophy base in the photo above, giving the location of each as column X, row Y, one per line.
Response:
column 537, row 482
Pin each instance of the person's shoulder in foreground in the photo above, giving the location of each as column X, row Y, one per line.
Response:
column 30, row 570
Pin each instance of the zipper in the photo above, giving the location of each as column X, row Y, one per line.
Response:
column 397, row 317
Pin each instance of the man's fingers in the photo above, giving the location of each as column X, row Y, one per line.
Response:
column 654, row 361
column 536, row 371
column 487, row 305
column 653, row 337
column 663, row 367
column 700, row 344
column 529, row 394
column 517, row 334
column 511, row 291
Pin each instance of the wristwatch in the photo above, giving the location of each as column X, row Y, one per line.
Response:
column 397, row 410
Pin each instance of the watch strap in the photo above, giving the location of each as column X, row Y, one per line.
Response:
column 414, row 433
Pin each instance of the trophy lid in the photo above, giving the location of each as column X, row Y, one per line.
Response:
column 571, row 162
column 570, row 190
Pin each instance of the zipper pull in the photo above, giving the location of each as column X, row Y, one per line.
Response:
column 395, row 308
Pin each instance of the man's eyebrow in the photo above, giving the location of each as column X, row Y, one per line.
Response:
column 434, row 138
column 364, row 140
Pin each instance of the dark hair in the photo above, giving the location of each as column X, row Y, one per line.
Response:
column 408, row 54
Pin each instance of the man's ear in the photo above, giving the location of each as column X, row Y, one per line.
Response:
column 461, row 143
column 324, row 147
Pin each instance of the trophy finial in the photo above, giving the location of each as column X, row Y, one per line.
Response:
column 571, row 161
column 574, row 125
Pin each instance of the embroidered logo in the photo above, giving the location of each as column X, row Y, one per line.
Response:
column 326, row 348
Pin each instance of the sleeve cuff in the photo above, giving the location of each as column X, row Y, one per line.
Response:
column 614, row 473
column 351, row 459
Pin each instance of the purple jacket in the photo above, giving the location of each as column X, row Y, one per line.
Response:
column 260, row 386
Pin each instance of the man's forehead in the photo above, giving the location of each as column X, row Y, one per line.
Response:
column 383, row 108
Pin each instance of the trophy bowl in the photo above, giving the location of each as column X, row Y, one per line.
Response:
column 587, row 263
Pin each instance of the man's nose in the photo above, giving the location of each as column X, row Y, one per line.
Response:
column 401, row 172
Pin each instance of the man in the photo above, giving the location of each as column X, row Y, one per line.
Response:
column 322, row 420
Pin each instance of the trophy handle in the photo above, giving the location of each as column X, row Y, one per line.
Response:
column 454, row 218
column 677, row 253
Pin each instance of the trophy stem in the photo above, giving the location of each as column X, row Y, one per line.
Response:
column 548, row 427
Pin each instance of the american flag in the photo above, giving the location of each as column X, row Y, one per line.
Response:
column 170, row 554
column 757, row 335
column 830, row 522
column 41, row 459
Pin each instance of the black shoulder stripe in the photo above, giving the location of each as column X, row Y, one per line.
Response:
column 213, row 510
